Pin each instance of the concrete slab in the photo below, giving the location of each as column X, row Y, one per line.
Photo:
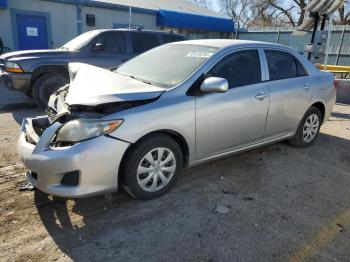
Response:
column 343, row 91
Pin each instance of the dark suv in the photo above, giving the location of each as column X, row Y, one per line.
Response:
column 39, row 73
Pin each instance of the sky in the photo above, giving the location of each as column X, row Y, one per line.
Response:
column 214, row 4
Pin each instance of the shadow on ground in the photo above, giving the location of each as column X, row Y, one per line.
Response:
column 278, row 197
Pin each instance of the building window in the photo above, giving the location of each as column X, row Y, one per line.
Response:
column 90, row 20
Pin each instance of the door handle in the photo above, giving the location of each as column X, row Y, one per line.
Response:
column 261, row 95
column 307, row 86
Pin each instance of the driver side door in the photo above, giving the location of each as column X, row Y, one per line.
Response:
column 236, row 118
column 112, row 50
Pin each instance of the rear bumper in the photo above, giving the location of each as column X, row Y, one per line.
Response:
column 96, row 161
column 330, row 102
column 15, row 81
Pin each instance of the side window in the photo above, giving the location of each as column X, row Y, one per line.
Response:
column 142, row 42
column 113, row 42
column 239, row 69
column 167, row 38
column 283, row 65
column 300, row 68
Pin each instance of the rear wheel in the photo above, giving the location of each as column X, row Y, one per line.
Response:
column 308, row 129
column 150, row 169
column 45, row 86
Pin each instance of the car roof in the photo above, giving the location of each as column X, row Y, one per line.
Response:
column 222, row 43
column 137, row 30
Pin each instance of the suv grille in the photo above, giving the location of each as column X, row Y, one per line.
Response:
column 2, row 64
column 52, row 113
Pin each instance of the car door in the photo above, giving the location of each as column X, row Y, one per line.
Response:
column 142, row 42
column 236, row 118
column 290, row 93
column 108, row 50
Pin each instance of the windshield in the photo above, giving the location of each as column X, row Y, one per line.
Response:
column 167, row 65
column 80, row 41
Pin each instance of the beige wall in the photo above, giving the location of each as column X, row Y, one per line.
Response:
column 64, row 20
column 62, row 16
column 106, row 18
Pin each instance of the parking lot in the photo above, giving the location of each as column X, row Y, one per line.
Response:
column 277, row 203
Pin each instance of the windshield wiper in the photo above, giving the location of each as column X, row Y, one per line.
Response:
column 141, row 80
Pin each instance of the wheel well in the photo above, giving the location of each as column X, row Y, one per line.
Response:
column 174, row 135
column 320, row 106
column 57, row 69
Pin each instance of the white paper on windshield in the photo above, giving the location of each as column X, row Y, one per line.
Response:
column 199, row 54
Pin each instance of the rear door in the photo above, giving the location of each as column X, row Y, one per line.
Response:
column 290, row 93
column 113, row 52
column 142, row 42
column 236, row 118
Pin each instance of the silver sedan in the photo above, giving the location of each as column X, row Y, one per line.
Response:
column 175, row 106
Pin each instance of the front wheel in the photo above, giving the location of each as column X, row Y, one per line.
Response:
column 45, row 86
column 308, row 129
column 150, row 168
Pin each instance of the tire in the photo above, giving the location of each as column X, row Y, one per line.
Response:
column 311, row 124
column 135, row 161
column 45, row 86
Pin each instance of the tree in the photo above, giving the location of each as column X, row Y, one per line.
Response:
column 343, row 16
column 283, row 12
column 238, row 10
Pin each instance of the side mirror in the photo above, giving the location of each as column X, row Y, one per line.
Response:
column 98, row 47
column 214, row 85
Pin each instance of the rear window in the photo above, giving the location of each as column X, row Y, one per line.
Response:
column 172, row 38
column 283, row 65
column 142, row 42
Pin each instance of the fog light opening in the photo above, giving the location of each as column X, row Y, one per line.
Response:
column 70, row 178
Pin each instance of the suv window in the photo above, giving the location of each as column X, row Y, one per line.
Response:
column 113, row 42
column 283, row 65
column 239, row 69
column 142, row 42
column 168, row 38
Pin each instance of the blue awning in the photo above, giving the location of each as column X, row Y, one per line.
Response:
column 194, row 21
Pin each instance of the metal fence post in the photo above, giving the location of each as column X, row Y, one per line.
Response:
column 340, row 46
column 278, row 36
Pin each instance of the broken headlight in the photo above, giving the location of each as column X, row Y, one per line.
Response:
column 83, row 129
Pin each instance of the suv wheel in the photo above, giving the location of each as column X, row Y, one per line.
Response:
column 45, row 86
column 151, row 167
column 308, row 129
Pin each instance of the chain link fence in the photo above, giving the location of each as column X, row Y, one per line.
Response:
column 339, row 48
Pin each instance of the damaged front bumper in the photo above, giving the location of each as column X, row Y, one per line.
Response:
column 86, row 168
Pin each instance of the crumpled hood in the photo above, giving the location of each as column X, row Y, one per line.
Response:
column 93, row 86
column 34, row 53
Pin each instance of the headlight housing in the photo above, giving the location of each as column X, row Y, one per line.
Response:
column 13, row 67
column 83, row 129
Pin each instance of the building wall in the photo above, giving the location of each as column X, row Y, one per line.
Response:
column 63, row 20
column 64, row 24
column 64, row 17
column 108, row 18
